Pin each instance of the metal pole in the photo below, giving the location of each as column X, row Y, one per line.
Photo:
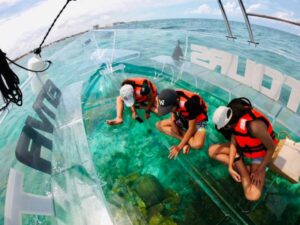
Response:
column 230, row 35
column 274, row 18
column 247, row 22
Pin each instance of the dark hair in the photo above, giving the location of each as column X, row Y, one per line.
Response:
column 145, row 88
column 225, row 131
column 132, row 83
column 239, row 106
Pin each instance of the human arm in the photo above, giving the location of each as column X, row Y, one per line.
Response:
column 259, row 130
column 151, row 99
column 232, row 153
column 133, row 110
column 174, row 127
column 189, row 133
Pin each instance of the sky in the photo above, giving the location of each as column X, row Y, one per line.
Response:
column 23, row 23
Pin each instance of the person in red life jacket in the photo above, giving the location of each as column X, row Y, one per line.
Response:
column 188, row 119
column 135, row 92
column 252, row 139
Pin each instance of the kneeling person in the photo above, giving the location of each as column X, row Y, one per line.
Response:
column 188, row 119
column 135, row 92
column 251, row 137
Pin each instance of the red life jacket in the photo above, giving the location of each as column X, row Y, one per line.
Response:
column 184, row 96
column 139, row 88
column 249, row 146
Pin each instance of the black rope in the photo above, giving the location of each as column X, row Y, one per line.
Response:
column 35, row 71
column 9, row 81
column 4, row 107
column 39, row 49
column 9, row 84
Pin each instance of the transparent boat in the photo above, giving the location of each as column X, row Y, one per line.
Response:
column 61, row 164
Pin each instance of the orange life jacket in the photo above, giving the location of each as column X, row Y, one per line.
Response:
column 139, row 85
column 249, row 146
column 184, row 96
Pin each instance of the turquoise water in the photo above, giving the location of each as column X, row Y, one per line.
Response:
column 190, row 190
column 195, row 189
column 276, row 48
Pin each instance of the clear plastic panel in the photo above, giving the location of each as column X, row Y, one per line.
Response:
column 76, row 189
column 142, row 151
column 98, row 171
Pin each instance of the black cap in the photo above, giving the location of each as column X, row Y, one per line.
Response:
column 167, row 99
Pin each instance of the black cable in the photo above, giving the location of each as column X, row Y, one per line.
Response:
column 9, row 84
column 39, row 49
column 6, row 105
column 9, row 81
column 35, row 71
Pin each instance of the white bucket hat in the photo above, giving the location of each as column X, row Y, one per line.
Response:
column 222, row 116
column 126, row 93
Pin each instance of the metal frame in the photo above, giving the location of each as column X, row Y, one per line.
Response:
column 245, row 15
column 274, row 18
column 246, row 19
column 230, row 35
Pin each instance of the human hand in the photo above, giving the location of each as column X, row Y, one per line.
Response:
column 256, row 177
column 174, row 152
column 235, row 175
column 186, row 149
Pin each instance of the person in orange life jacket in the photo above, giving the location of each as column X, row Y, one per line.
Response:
column 252, row 137
column 135, row 92
column 188, row 119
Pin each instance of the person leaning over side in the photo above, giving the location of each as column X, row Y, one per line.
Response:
column 251, row 138
column 135, row 92
column 188, row 119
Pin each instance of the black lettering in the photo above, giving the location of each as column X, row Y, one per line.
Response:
column 44, row 124
column 32, row 157
column 28, row 150
column 53, row 94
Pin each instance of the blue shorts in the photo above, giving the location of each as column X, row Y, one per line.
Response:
column 257, row 160
column 200, row 126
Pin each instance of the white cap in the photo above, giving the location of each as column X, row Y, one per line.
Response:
column 222, row 116
column 126, row 93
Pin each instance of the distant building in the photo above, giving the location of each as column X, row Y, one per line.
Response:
column 96, row 27
column 118, row 23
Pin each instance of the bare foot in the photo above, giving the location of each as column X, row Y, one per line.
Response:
column 186, row 149
column 114, row 121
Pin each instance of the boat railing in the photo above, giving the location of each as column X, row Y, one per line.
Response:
column 247, row 21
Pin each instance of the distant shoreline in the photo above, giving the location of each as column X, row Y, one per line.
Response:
column 54, row 42
column 74, row 35
column 123, row 25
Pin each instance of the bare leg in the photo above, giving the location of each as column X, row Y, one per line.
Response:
column 197, row 141
column 165, row 126
column 255, row 191
column 220, row 152
column 120, row 109
column 245, row 176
